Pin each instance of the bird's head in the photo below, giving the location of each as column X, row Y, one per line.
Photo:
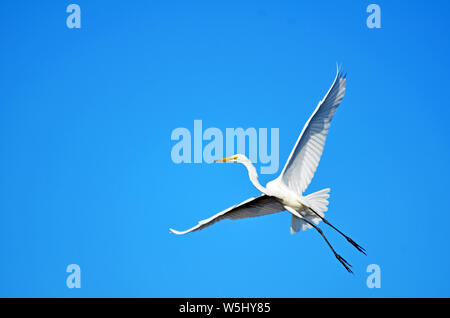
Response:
column 239, row 158
column 234, row 158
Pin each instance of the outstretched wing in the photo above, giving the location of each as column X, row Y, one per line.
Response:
column 304, row 158
column 252, row 207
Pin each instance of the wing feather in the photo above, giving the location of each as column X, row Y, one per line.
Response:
column 304, row 158
column 252, row 207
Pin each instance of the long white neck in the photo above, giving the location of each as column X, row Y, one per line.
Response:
column 253, row 175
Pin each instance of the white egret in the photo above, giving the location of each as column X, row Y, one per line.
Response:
column 286, row 191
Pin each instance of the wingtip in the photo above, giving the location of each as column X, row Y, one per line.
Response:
column 340, row 72
column 175, row 231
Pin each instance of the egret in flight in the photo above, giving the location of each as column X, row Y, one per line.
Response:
column 286, row 191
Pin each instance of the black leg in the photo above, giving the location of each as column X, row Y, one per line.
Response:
column 339, row 257
column 358, row 247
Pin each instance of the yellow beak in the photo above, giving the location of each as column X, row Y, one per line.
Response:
column 227, row 159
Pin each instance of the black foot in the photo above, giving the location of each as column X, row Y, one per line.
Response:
column 344, row 262
column 358, row 247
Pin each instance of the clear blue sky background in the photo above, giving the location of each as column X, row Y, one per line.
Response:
column 86, row 173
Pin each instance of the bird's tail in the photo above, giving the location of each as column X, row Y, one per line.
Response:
column 318, row 201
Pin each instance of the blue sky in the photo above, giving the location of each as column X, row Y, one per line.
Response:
column 86, row 117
